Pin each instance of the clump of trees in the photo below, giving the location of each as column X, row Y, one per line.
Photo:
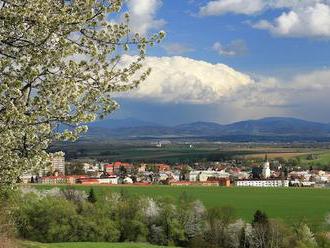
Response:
column 61, row 216
column 312, row 156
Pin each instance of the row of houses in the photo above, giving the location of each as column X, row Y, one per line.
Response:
column 224, row 174
column 82, row 180
column 120, row 167
column 262, row 183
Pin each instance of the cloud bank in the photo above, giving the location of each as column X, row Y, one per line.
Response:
column 217, row 91
column 312, row 21
column 308, row 18
column 300, row 91
column 184, row 80
column 187, row 81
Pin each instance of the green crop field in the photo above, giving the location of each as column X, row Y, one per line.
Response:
column 88, row 245
column 289, row 204
column 148, row 153
column 139, row 151
column 323, row 158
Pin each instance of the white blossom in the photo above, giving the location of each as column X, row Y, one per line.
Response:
column 152, row 209
column 43, row 86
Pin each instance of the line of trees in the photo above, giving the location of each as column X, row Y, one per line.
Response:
column 70, row 216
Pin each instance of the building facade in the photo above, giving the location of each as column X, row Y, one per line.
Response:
column 116, row 167
column 266, row 169
column 58, row 164
column 203, row 176
column 56, row 167
column 262, row 183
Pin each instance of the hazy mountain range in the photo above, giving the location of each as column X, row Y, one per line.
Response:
column 272, row 128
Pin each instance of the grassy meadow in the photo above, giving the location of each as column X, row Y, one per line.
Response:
column 323, row 158
column 173, row 153
column 289, row 204
column 178, row 153
column 275, row 155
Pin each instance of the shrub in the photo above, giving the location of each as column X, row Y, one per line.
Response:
column 93, row 229
column 46, row 219
column 91, row 196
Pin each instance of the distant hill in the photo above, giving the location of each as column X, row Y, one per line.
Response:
column 271, row 128
column 198, row 128
column 122, row 123
column 278, row 126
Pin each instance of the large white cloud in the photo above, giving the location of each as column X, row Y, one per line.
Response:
column 231, row 94
column 143, row 15
column 312, row 21
column 305, row 95
column 184, row 80
column 295, row 91
column 308, row 18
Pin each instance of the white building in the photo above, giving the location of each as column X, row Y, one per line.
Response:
column 58, row 164
column 109, row 180
column 262, row 183
column 163, row 176
column 302, row 183
column 240, row 175
column 307, row 184
column 194, row 175
column 266, row 170
column 142, row 168
column 321, row 179
column 203, row 176
column 26, row 177
column 306, row 175
column 176, row 176
column 127, row 180
column 89, row 168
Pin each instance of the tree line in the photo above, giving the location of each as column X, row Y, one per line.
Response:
column 69, row 215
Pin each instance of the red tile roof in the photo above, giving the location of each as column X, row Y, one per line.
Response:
column 118, row 164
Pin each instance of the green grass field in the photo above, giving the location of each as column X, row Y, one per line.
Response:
column 289, row 204
column 87, row 245
column 323, row 159
column 172, row 154
column 175, row 153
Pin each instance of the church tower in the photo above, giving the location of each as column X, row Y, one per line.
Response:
column 266, row 169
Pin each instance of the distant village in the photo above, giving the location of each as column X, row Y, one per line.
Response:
column 269, row 173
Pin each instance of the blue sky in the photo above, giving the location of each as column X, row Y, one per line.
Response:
column 265, row 52
column 229, row 60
